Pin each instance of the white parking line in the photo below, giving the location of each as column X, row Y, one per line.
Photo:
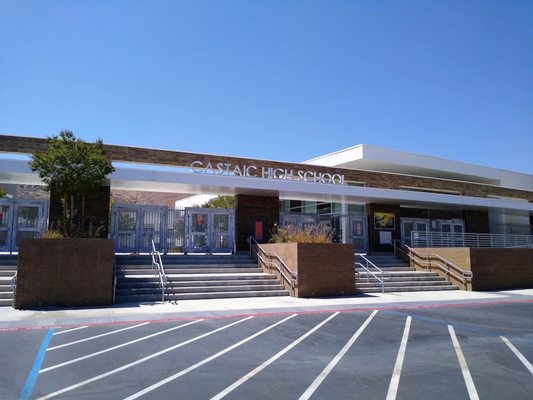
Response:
column 250, row 374
column 395, row 379
column 518, row 354
column 204, row 361
column 75, row 360
column 325, row 372
column 137, row 362
column 472, row 392
column 70, row 330
column 95, row 337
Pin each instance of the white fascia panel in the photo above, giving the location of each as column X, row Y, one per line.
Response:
column 221, row 184
column 339, row 157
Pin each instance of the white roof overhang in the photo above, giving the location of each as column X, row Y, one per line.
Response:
column 17, row 171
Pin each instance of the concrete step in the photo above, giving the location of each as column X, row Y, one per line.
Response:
column 6, row 295
column 402, row 274
column 6, row 303
column 172, row 271
column 7, row 273
column 191, row 283
column 359, row 269
column 363, row 285
column 204, row 289
column 10, row 267
column 195, row 277
column 407, row 289
column 188, row 266
column 179, row 260
column 8, row 260
column 199, row 296
column 403, row 279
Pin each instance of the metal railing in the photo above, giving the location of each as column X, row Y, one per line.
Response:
column 114, row 278
column 14, row 287
column 369, row 272
column 432, row 260
column 157, row 264
column 449, row 239
column 271, row 260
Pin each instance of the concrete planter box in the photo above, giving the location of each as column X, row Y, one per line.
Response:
column 64, row 273
column 324, row 269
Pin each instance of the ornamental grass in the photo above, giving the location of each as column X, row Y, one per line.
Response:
column 309, row 234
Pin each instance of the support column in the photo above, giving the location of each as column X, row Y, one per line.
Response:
column 250, row 209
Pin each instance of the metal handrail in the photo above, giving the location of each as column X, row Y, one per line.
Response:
column 449, row 268
column 114, row 279
column 371, row 264
column 289, row 276
column 382, row 280
column 462, row 239
column 157, row 264
column 14, row 286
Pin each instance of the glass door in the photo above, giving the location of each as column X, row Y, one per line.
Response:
column 452, row 233
column 126, row 230
column 209, row 230
column 221, row 232
column 29, row 221
column 358, row 233
column 151, row 228
column 198, row 228
column 415, row 232
column 6, row 216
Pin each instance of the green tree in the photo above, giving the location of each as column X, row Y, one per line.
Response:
column 221, row 202
column 72, row 167
column 3, row 193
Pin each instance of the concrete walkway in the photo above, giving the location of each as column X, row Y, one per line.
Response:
column 127, row 313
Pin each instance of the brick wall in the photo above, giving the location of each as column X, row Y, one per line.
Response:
column 64, row 272
column 251, row 208
column 492, row 269
column 325, row 269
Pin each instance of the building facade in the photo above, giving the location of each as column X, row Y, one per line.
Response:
column 371, row 197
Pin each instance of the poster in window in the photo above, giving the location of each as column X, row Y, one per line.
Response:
column 258, row 230
column 384, row 220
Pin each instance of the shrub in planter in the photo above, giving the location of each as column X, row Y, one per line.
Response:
column 61, row 269
column 310, row 234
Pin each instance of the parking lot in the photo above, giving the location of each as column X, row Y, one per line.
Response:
column 481, row 351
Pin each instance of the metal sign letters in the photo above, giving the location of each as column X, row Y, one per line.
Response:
column 199, row 167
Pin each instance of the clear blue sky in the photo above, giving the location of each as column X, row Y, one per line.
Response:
column 285, row 80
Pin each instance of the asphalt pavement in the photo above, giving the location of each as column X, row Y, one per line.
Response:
column 429, row 345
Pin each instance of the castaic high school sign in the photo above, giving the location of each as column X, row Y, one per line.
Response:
column 252, row 171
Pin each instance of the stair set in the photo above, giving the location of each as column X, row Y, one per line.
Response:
column 214, row 277
column 8, row 269
column 194, row 277
column 403, row 278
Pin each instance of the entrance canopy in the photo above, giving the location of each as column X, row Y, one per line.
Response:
column 185, row 180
